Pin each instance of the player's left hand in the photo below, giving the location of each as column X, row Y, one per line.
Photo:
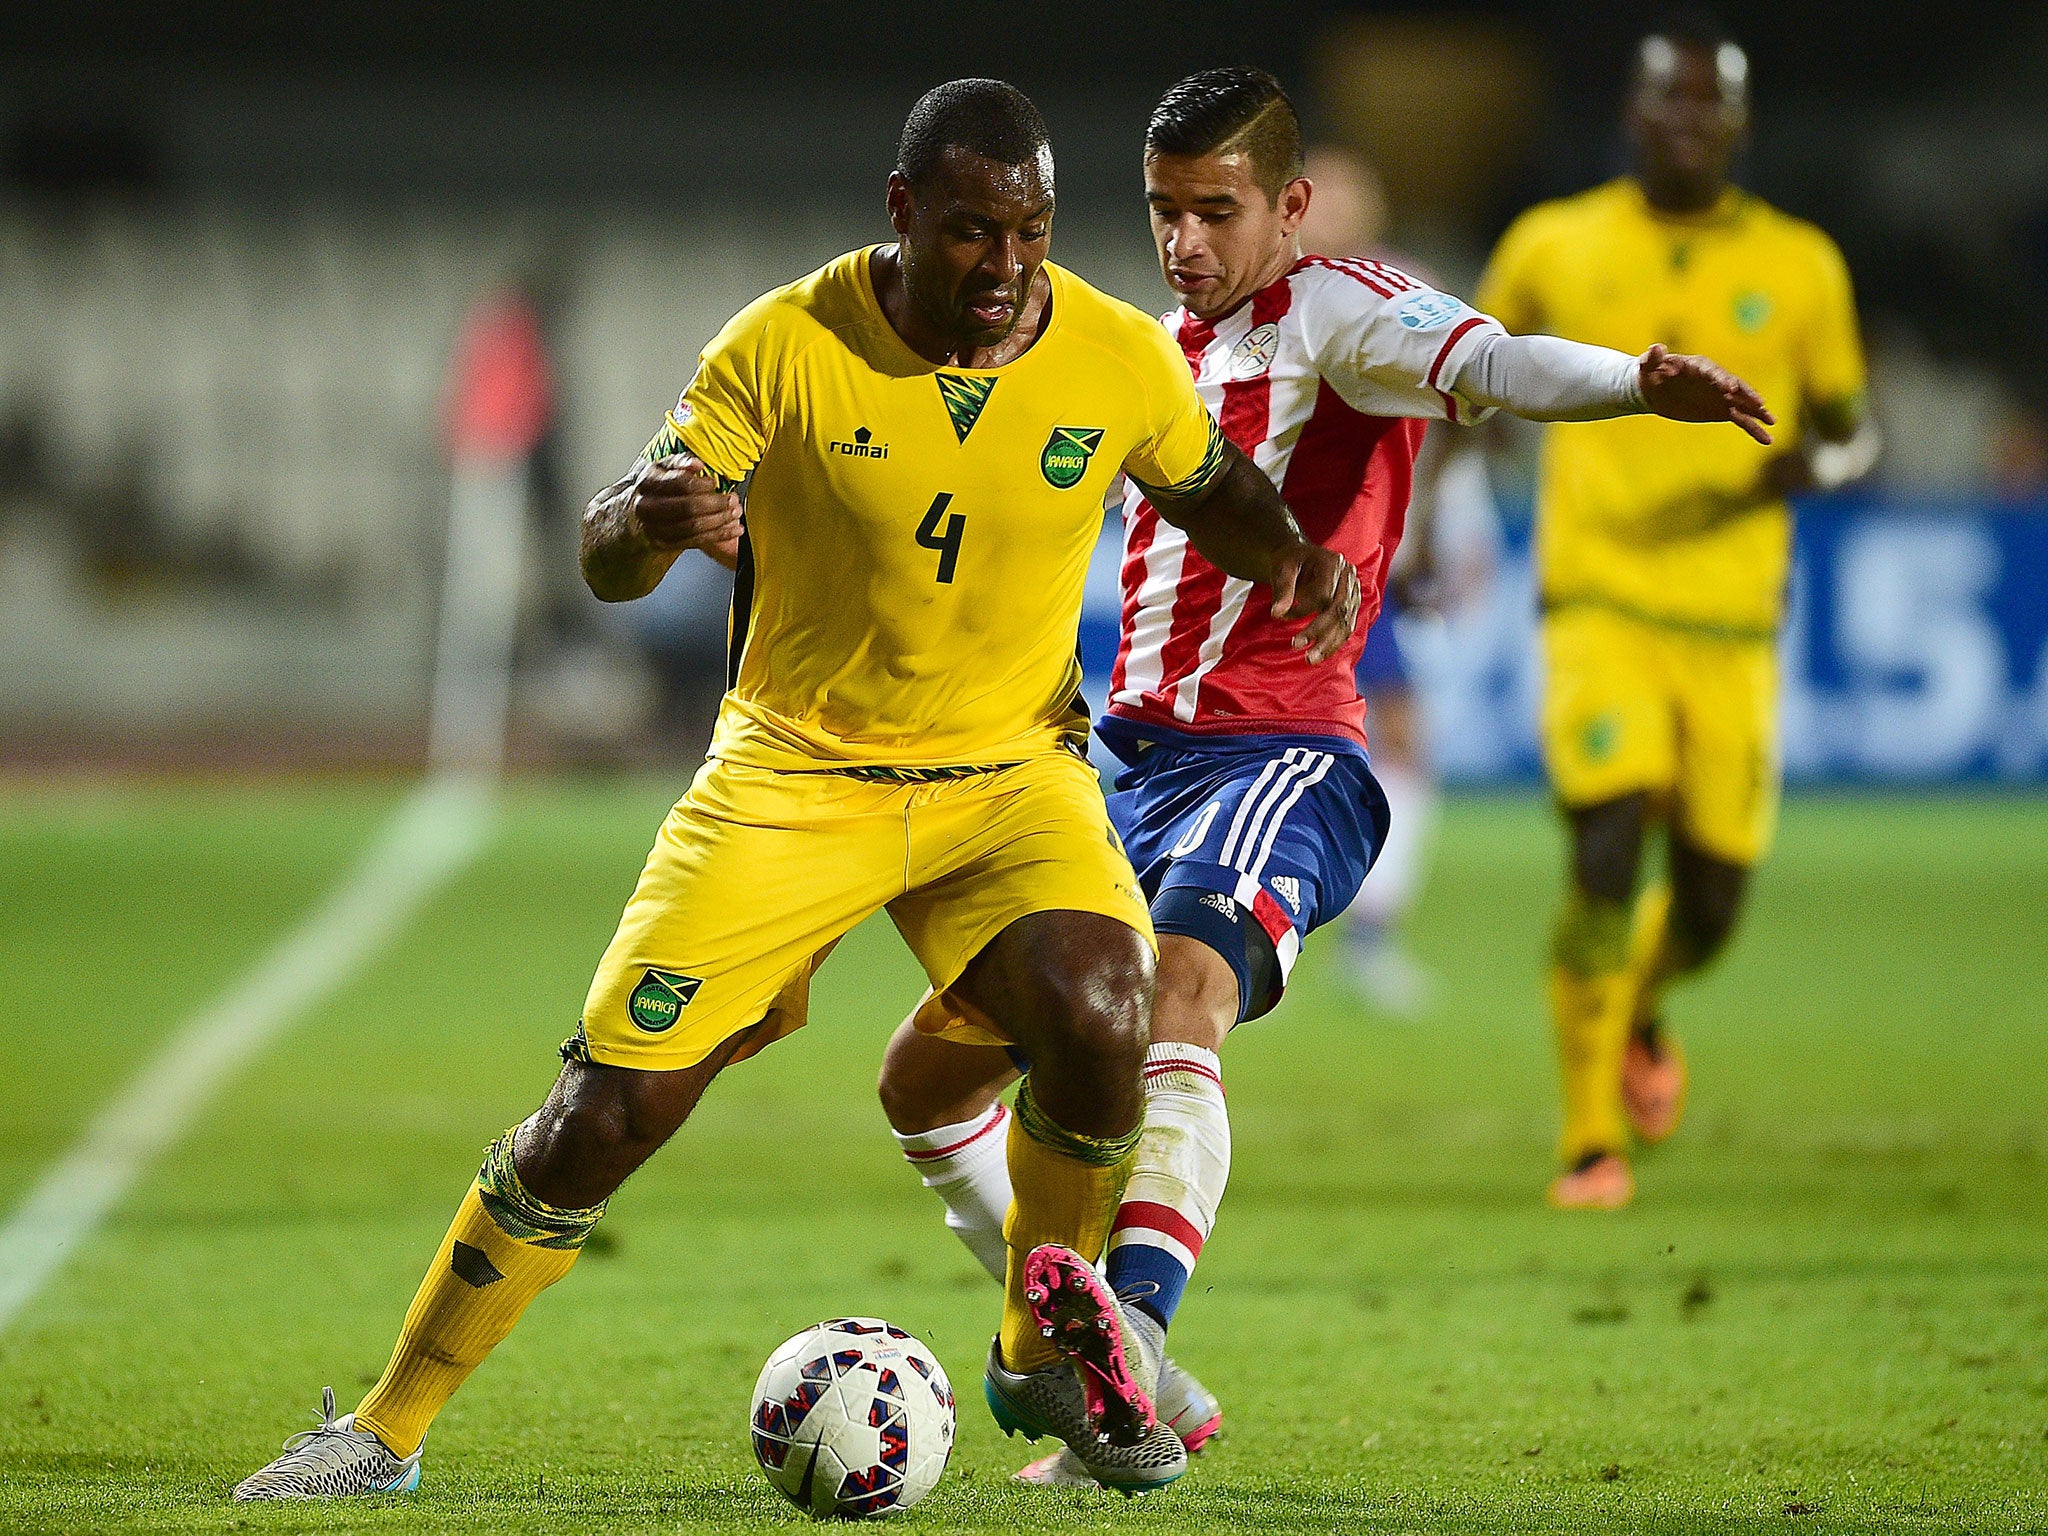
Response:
column 1686, row 388
column 1317, row 584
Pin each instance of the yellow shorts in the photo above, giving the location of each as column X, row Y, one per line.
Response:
column 1690, row 718
column 756, row 874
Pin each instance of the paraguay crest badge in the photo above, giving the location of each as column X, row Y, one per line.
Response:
column 1254, row 352
column 1066, row 455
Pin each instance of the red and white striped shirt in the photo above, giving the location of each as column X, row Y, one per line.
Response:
column 1327, row 379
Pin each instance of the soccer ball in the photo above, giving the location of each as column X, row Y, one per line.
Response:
column 853, row 1417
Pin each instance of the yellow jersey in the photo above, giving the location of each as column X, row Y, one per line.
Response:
column 1641, row 514
column 917, row 536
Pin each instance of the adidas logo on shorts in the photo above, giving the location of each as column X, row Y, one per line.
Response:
column 1221, row 903
column 1288, row 889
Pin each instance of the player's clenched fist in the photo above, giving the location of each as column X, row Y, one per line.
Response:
column 676, row 504
column 1317, row 584
column 1687, row 388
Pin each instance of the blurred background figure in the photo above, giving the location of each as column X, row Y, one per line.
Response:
column 1663, row 560
column 1444, row 560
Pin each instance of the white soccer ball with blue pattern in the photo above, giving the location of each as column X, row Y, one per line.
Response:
column 853, row 1417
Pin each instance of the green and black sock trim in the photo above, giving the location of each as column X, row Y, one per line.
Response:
column 1096, row 1151
column 522, row 1214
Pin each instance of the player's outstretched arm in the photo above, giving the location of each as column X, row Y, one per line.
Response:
column 1547, row 378
column 634, row 528
column 1241, row 526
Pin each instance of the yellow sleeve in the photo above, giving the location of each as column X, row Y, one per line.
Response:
column 1180, row 447
column 722, row 416
column 1508, row 288
column 1833, row 361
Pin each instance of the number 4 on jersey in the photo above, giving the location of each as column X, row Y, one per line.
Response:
column 947, row 540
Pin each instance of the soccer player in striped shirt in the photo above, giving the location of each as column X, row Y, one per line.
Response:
column 1248, row 806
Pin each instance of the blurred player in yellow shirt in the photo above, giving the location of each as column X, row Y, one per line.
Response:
column 1662, row 556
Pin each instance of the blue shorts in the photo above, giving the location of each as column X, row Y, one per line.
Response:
column 1228, row 833
column 1382, row 668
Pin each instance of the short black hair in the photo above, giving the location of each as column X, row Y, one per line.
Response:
column 1689, row 26
column 1239, row 110
column 985, row 117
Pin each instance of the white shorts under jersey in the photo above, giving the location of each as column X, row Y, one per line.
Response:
column 1327, row 379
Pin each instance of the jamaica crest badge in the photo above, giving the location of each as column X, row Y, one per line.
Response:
column 1066, row 455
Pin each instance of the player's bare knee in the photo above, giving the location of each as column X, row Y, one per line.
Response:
column 598, row 1124
column 1107, row 1020
column 1704, row 921
column 1088, row 1052
column 905, row 1104
column 1607, row 847
column 1706, row 901
column 910, row 1096
column 1196, row 997
column 1066, row 980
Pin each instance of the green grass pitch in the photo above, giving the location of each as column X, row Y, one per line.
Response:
column 1828, row 1310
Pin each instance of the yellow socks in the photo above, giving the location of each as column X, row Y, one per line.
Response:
column 1653, row 959
column 1591, row 998
column 1590, row 1016
column 505, row 1247
column 1066, row 1189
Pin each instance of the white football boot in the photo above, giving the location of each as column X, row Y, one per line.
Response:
column 1188, row 1408
column 333, row 1461
column 1098, row 1399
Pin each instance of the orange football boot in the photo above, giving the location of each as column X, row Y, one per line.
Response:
column 1653, row 1083
column 1599, row 1181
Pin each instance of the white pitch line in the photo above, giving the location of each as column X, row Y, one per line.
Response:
column 433, row 836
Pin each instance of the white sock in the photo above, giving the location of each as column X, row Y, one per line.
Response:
column 1396, row 878
column 967, row 1166
column 1183, row 1164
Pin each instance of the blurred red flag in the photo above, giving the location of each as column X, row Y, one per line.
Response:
column 501, row 395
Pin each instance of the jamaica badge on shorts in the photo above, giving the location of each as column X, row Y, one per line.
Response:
column 1066, row 455
column 660, row 999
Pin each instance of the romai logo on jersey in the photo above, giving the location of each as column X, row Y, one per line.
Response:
column 863, row 446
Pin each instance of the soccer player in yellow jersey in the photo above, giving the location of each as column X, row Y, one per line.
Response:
column 1662, row 556
column 927, row 430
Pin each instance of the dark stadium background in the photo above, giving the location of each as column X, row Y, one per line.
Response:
column 256, row 148
column 475, row 102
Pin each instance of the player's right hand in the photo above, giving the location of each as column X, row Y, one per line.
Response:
column 676, row 504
